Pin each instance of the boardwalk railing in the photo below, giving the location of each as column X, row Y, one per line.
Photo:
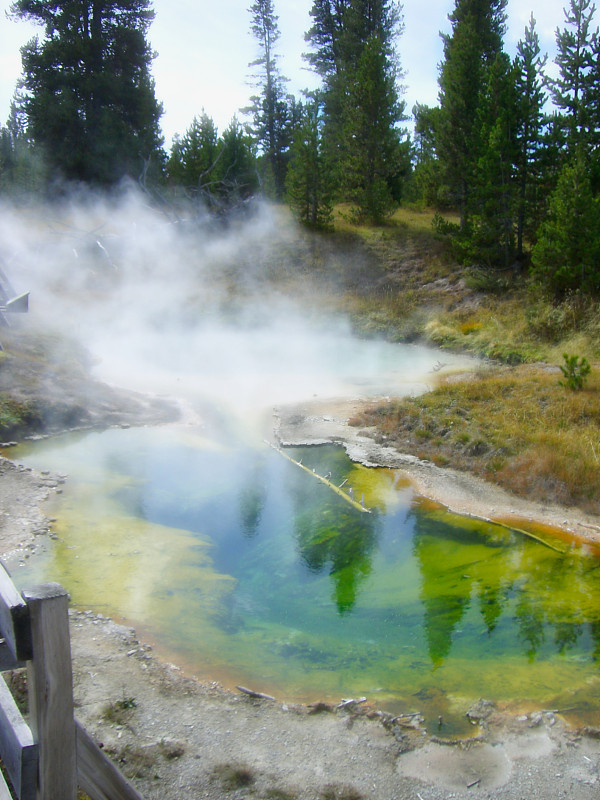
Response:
column 49, row 756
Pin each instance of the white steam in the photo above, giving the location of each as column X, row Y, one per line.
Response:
column 186, row 309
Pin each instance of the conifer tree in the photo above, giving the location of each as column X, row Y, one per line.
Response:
column 89, row 96
column 469, row 52
column 371, row 160
column 529, row 66
column 193, row 155
column 272, row 111
column 573, row 89
column 427, row 175
column 235, row 169
column 329, row 56
column 308, row 183
column 328, row 37
column 354, row 51
column 492, row 236
column 566, row 256
column 217, row 172
column 22, row 170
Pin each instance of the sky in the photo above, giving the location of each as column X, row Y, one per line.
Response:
column 204, row 47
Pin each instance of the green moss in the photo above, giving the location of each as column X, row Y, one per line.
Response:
column 16, row 416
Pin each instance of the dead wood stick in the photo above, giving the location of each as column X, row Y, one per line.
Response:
column 252, row 693
column 351, row 701
column 474, row 783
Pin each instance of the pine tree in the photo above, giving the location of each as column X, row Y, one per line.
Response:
column 328, row 37
column 331, row 58
column 591, row 104
column 469, row 52
column 217, row 173
column 308, row 183
column 354, row 51
column 566, row 256
column 235, row 169
column 427, row 175
column 493, row 196
column 193, row 156
column 90, row 100
column 22, row 170
column 371, row 160
column 571, row 91
column 271, row 109
column 529, row 66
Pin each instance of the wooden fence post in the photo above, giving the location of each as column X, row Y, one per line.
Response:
column 50, row 686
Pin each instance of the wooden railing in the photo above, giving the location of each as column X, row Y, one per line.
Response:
column 50, row 755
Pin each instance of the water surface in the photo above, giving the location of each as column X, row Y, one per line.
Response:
column 241, row 566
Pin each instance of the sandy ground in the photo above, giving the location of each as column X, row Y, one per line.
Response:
column 177, row 737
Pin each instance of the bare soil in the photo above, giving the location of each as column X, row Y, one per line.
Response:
column 177, row 737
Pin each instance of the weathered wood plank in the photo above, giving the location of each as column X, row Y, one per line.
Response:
column 14, row 618
column 18, row 751
column 50, row 685
column 98, row 777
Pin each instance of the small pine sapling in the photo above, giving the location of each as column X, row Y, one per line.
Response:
column 575, row 372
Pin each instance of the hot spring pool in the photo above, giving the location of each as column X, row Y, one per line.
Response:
column 240, row 566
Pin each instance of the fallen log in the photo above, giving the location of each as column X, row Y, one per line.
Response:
column 252, row 693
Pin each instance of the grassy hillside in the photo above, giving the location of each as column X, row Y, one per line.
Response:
column 512, row 423
column 420, row 292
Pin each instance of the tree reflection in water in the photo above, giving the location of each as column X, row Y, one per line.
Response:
column 234, row 555
column 331, row 534
column 544, row 591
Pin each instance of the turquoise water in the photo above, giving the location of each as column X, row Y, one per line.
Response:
column 241, row 566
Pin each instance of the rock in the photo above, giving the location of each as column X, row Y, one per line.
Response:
column 480, row 711
column 593, row 733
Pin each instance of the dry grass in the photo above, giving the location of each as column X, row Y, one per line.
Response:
column 275, row 793
column 516, row 427
column 120, row 712
column 494, row 327
column 419, row 292
column 519, row 327
column 233, row 776
column 340, row 792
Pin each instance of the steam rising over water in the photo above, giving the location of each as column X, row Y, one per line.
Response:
column 189, row 310
column 190, row 537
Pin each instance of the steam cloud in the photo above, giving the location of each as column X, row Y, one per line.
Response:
column 189, row 310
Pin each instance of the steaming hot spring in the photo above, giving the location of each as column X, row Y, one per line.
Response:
column 297, row 571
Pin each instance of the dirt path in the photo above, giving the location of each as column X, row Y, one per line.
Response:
column 178, row 738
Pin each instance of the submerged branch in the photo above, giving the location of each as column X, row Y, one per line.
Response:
column 337, row 489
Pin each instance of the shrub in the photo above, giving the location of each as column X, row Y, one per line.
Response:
column 575, row 371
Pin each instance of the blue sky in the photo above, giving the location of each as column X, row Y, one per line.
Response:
column 204, row 48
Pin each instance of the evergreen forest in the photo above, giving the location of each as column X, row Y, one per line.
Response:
column 508, row 160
